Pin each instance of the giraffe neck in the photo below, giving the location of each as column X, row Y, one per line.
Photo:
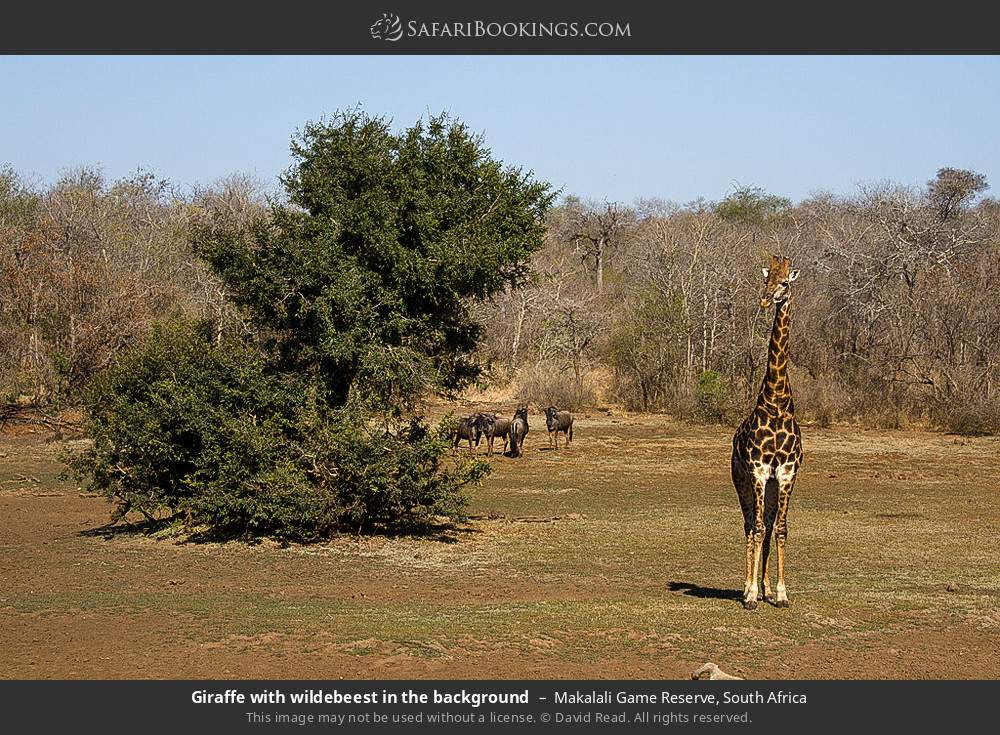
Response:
column 775, row 389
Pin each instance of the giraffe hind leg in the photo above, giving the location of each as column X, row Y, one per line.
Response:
column 781, row 533
column 770, row 511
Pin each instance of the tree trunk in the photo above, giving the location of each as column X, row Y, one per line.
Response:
column 600, row 265
column 519, row 326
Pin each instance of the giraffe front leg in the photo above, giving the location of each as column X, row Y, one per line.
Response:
column 781, row 592
column 748, row 581
column 785, row 482
column 756, row 547
column 744, row 490
column 766, row 557
column 770, row 512
column 755, row 540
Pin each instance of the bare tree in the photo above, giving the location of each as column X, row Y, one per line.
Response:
column 595, row 230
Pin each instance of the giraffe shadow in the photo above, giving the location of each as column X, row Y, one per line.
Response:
column 707, row 593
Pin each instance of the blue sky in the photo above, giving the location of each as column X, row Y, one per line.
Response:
column 599, row 126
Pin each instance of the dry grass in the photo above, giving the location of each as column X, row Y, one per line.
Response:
column 637, row 575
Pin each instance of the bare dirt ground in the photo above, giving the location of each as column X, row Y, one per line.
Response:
column 620, row 557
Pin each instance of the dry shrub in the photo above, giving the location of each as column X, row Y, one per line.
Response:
column 819, row 399
column 715, row 400
column 86, row 267
column 549, row 385
column 967, row 407
column 968, row 416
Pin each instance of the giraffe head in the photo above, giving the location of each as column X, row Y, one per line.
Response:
column 777, row 279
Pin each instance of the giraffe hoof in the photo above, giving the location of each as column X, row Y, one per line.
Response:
column 749, row 604
column 781, row 603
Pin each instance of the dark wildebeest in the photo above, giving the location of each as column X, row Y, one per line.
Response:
column 518, row 430
column 469, row 427
column 556, row 421
column 495, row 428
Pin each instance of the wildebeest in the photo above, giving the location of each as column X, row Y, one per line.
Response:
column 518, row 430
column 469, row 427
column 495, row 428
column 556, row 421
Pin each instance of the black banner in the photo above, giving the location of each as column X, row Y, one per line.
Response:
column 514, row 27
column 465, row 706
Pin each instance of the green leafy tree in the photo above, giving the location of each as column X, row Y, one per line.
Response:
column 357, row 296
column 180, row 418
column 752, row 207
column 364, row 280
column 185, row 427
column 713, row 395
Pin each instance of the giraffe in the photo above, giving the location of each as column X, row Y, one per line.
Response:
column 767, row 449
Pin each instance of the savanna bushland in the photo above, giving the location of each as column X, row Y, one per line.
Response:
column 648, row 305
column 654, row 306
column 245, row 362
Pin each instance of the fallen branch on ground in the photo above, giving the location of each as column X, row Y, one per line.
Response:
column 525, row 519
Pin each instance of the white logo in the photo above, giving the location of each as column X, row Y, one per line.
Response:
column 387, row 28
